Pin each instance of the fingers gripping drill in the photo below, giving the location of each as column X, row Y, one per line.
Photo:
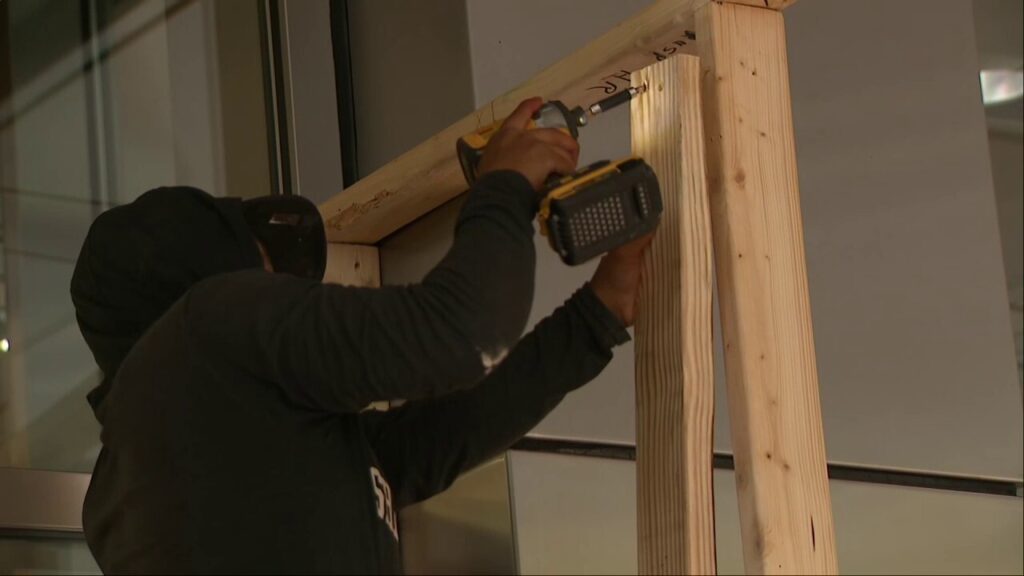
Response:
column 598, row 208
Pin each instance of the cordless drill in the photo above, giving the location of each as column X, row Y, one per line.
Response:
column 596, row 209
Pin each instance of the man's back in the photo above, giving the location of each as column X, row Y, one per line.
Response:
column 208, row 469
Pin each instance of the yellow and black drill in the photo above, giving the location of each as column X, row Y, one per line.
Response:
column 596, row 209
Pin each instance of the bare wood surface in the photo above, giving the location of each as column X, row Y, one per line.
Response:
column 675, row 383
column 772, row 379
column 770, row 4
column 352, row 265
column 428, row 175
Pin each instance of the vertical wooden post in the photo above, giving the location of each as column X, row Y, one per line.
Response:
column 353, row 265
column 674, row 366
column 775, row 413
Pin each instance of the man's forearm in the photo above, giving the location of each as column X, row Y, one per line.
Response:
column 425, row 445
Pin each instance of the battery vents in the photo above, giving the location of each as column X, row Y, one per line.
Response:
column 597, row 221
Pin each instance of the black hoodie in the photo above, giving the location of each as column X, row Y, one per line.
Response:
column 233, row 433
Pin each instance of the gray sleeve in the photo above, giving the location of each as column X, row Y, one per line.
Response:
column 339, row 348
column 423, row 446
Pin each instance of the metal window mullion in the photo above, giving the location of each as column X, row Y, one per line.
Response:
column 275, row 93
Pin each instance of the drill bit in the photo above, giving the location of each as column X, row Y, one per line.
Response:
column 616, row 99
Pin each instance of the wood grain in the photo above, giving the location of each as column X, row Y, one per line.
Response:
column 352, row 265
column 675, row 384
column 770, row 4
column 771, row 374
column 428, row 175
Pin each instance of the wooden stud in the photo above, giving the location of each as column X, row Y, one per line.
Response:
column 772, row 379
column 429, row 175
column 352, row 265
column 675, row 383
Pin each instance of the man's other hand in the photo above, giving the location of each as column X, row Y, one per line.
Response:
column 619, row 275
column 536, row 153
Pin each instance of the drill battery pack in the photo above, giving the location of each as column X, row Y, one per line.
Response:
column 599, row 208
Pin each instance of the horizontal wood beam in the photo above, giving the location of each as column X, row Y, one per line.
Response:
column 770, row 4
column 675, row 380
column 428, row 175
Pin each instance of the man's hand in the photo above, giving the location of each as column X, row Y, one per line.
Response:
column 535, row 154
column 617, row 280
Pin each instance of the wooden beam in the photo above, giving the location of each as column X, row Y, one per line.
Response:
column 675, row 383
column 772, row 379
column 429, row 175
column 353, row 265
column 770, row 4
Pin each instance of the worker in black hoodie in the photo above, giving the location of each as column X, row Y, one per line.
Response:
column 234, row 432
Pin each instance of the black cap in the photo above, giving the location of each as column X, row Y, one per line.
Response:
column 139, row 258
column 292, row 233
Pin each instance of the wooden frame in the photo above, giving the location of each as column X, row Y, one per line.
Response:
column 754, row 213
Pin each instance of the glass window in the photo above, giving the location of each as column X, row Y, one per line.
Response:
column 38, row 555
column 100, row 101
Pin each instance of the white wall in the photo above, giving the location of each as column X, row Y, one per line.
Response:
column 906, row 275
column 576, row 515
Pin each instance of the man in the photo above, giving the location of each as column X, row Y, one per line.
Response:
column 234, row 435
